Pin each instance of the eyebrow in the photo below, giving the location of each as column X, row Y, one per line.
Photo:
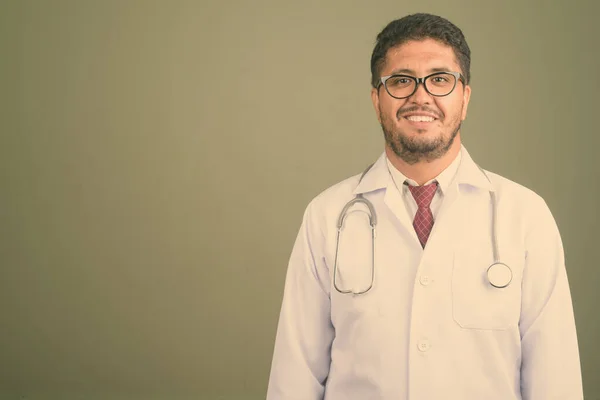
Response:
column 412, row 72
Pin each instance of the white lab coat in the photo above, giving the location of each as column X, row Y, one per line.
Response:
column 431, row 327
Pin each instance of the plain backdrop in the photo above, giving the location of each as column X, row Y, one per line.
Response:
column 156, row 158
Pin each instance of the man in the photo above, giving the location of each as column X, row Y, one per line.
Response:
column 459, row 292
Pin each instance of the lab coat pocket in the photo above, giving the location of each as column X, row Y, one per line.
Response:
column 476, row 303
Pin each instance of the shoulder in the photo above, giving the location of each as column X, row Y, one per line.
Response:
column 322, row 212
column 333, row 198
column 511, row 190
column 525, row 204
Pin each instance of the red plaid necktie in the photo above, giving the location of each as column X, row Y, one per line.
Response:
column 424, row 218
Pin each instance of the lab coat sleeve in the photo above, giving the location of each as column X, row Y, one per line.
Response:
column 301, row 356
column 550, row 368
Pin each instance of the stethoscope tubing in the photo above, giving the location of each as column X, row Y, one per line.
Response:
column 359, row 198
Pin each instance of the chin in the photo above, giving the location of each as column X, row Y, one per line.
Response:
column 422, row 132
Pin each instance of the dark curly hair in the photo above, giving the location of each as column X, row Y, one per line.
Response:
column 420, row 27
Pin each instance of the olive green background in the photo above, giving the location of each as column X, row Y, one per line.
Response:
column 156, row 158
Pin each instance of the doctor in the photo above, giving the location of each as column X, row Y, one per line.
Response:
column 449, row 282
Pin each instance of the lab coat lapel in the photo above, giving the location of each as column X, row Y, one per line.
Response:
column 378, row 177
column 447, row 222
column 393, row 200
column 453, row 216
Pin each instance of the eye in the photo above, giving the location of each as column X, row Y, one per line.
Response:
column 395, row 81
column 441, row 81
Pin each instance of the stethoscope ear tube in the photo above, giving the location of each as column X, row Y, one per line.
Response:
column 358, row 199
column 373, row 221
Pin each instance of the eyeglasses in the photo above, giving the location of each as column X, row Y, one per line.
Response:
column 437, row 84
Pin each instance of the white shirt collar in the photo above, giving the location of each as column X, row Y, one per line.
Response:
column 443, row 179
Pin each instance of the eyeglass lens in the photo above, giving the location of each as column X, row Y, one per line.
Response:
column 404, row 86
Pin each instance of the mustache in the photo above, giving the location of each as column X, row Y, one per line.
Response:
column 409, row 109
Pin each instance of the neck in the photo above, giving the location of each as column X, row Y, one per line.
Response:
column 424, row 171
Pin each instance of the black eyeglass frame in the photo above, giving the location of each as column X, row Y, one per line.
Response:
column 457, row 75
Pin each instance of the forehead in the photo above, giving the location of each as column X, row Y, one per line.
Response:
column 420, row 56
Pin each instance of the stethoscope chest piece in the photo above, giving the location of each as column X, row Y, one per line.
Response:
column 499, row 275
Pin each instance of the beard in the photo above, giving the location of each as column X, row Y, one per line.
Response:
column 415, row 148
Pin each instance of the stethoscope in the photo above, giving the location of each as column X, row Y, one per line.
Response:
column 499, row 274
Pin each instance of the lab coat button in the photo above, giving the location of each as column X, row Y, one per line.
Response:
column 425, row 280
column 423, row 345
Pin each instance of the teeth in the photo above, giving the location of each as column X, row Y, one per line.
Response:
column 420, row 118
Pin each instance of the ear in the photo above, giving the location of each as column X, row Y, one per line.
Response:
column 375, row 100
column 466, row 99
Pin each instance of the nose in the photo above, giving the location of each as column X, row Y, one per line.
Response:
column 420, row 96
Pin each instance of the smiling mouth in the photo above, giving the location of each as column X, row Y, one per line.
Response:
column 420, row 118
